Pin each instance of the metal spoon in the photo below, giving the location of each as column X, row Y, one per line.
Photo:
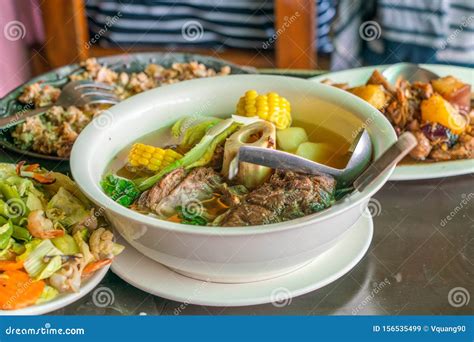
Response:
column 360, row 150
column 409, row 71
column 356, row 168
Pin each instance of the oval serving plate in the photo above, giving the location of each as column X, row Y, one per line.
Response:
column 62, row 300
column 127, row 62
column 422, row 170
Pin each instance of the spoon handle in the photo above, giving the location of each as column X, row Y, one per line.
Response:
column 280, row 160
column 406, row 142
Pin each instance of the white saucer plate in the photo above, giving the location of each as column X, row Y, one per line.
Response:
column 154, row 278
column 416, row 171
column 62, row 300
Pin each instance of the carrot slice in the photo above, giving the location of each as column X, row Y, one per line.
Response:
column 96, row 265
column 32, row 167
column 45, row 178
column 6, row 265
column 18, row 290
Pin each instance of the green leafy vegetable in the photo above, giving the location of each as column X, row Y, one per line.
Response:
column 8, row 191
column 125, row 191
column 190, row 218
column 66, row 244
column 30, row 246
column 194, row 155
column 66, row 208
column 327, row 200
column 192, row 130
column 207, row 157
column 33, row 202
column 7, row 253
column 34, row 263
column 342, row 192
column 51, row 267
column 5, row 234
column 23, row 185
column 121, row 190
column 48, row 294
column 83, row 247
column 21, row 234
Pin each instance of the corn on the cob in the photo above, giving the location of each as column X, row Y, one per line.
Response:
column 150, row 157
column 271, row 107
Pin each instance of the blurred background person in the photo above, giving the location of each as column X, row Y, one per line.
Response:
column 304, row 34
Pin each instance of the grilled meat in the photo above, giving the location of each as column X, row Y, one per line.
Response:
column 200, row 184
column 286, row 195
column 151, row 198
column 232, row 195
column 423, row 149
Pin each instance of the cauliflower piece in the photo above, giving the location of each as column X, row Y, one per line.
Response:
column 101, row 243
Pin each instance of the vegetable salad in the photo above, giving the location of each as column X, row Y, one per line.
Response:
column 51, row 237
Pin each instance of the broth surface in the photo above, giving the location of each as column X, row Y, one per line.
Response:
column 319, row 134
column 162, row 138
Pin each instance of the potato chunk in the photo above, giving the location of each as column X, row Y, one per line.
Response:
column 454, row 91
column 437, row 109
column 319, row 152
column 290, row 138
column 372, row 93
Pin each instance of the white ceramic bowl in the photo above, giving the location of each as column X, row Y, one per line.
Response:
column 227, row 254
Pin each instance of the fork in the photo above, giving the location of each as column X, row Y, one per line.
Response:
column 76, row 93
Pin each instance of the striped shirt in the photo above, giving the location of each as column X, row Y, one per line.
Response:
column 245, row 24
column 390, row 31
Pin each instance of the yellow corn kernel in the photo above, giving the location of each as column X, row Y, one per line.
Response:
column 150, row 157
column 271, row 107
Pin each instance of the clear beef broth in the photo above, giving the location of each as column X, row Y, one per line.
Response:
column 318, row 133
column 163, row 138
column 218, row 203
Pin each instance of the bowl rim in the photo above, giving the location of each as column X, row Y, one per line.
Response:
column 95, row 193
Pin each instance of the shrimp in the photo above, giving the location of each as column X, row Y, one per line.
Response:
column 41, row 227
column 68, row 278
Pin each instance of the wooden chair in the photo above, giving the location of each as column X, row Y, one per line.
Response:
column 67, row 34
